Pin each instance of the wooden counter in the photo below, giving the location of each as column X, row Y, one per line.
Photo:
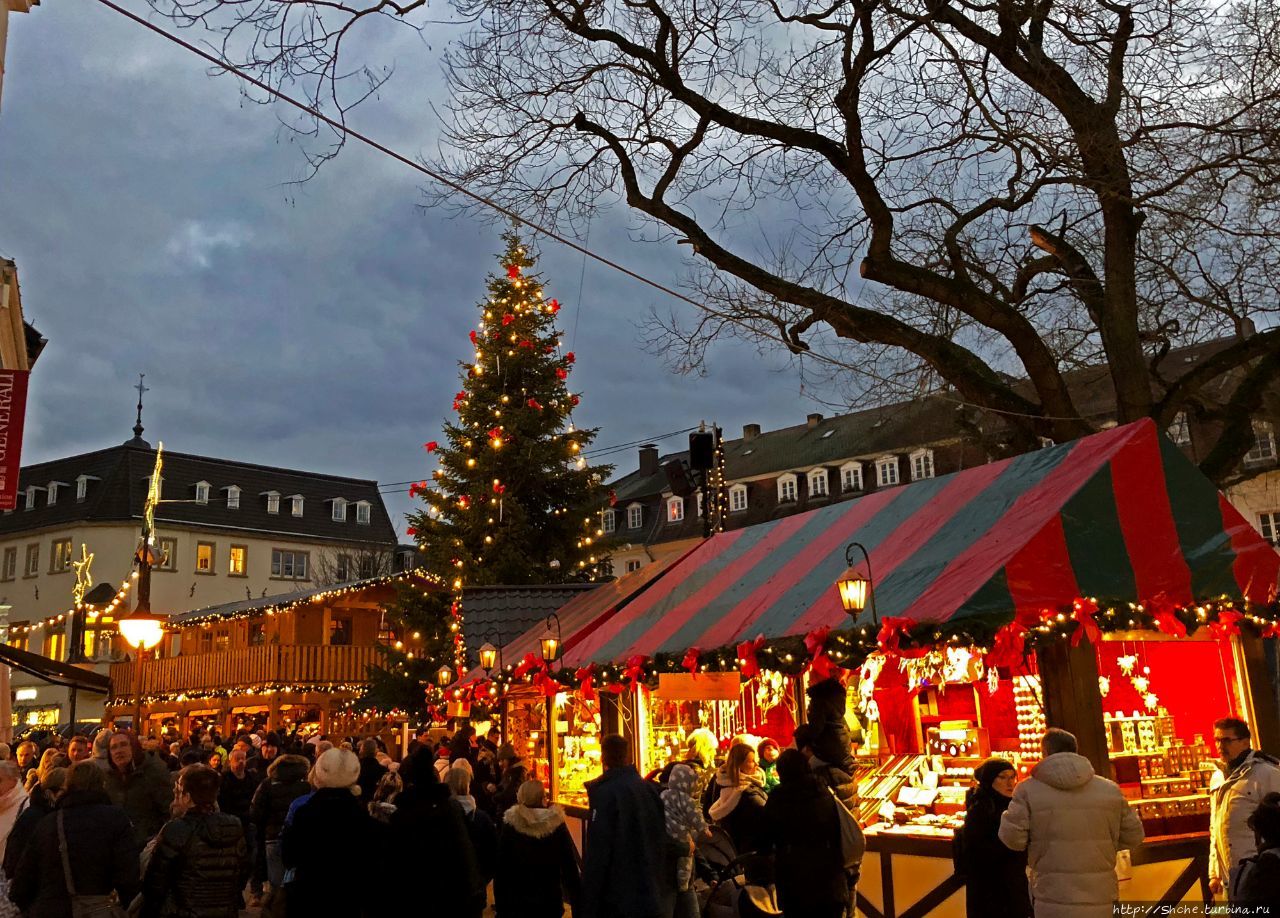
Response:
column 905, row 876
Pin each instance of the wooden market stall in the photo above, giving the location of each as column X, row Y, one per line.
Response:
column 1075, row 586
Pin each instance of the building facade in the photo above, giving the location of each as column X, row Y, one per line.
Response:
column 770, row 474
column 226, row 531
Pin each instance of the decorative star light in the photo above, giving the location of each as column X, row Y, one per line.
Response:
column 1127, row 663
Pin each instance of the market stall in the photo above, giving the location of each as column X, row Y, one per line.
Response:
column 1075, row 586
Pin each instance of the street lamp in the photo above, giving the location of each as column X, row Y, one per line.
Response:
column 444, row 675
column 551, row 642
column 857, row 592
column 488, row 657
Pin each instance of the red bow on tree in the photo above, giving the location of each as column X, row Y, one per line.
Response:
column 892, row 631
column 508, row 319
column 1227, row 625
column 411, row 532
column 635, row 667
column 513, row 272
column 464, row 502
column 535, row 404
column 613, row 498
column 548, row 686
column 495, row 433
column 417, row 488
column 690, row 661
column 530, row 662
column 1009, row 646
column 1083, row 611
column 553, row 305
column 569, row 358
column 562, row 373
column 573, row 400
column 499, row 488
column 1161, row 608
column 586, row 682
column 430, row 446
column 747, row 662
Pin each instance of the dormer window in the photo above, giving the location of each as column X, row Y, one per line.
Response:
column 31, row 497
column 851, row 477
column 233, row 497
column 1264, row 444
column 738, row 498
column 52, row 491
column 364, row 512
column 787, row 488
column 202, row 492
column 273, row 501
column 635, row 516
column 921, row 464
column 675, row 509
column 82, row 485
column 886, row 471
column 295, row 504
column 818, row 483
column 339, row 512
column 608, row 522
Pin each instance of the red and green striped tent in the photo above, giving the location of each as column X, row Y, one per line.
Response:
column 1121, row 515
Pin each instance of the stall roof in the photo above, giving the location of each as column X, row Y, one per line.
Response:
column 55, row 672
column 1121, row 515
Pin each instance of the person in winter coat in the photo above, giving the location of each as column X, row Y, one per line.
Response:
column 1244, row 778
column 332, row 846
column 505, row 797
column 831, row 739
column 200, row 862
column 13, row 799
column 140, row 784
column 995, row 875
column 840, row 781
column 27, row 757
column 537, row 861
column 286, row 781
column 767, row 752
column 803, row 831
column 101, row 846
column 629, row 868
column 480, row 828
column 40, row 803
column 1255, row 885
column 239, row 783
column 50, row 759
column 428, row 828
column 371, row 770
column 685, row 825
column 1072, row 824
column 739, row 807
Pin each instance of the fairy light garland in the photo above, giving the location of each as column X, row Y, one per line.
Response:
column 90, row 610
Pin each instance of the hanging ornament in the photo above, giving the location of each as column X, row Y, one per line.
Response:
column 535, row 404
column 569, row 358
column 573, row 400
column 1151, row 701
column 993, row 681
column 508, row 318
column 561, row 373
column 553, row 306
column 1104, row 686
column 474, row 336
column 1127, row 663
column 1141, row 683
column 513, row 272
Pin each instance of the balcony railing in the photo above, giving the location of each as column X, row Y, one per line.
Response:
column 244, row 668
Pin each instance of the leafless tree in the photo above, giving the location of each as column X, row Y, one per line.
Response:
column 968, row 196
column 345, row 563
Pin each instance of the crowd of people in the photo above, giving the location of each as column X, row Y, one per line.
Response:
column 204, row 827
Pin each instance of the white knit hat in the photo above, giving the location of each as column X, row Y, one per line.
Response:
column 336, row 768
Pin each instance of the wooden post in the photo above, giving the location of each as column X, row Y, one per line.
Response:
column 1262, row 708
column 1069, row 681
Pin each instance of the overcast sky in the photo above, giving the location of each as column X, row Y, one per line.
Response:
column 318, row 327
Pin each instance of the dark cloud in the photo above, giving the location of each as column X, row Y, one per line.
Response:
column 319, row 326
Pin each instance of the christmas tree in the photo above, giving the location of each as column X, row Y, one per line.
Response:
column 513, row 500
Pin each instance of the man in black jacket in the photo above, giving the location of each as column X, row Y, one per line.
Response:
column 629, row 868
column 100, row 844
column 201, row 862
column 834, row 777
column 239, row 782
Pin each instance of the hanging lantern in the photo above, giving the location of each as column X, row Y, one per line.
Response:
column 444, row 675
column 854, row 590
column 551, row 640
column 488, row 657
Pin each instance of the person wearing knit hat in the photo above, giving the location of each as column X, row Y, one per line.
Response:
column 995, row 875
column 337, row 768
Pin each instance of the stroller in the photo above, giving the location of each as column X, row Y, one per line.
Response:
column 732, row 885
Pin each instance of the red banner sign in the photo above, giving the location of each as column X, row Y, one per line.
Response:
column 13, row 411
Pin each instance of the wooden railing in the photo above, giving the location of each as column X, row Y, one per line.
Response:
column 266, row 666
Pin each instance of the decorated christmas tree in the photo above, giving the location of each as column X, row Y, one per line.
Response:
column 513, row 499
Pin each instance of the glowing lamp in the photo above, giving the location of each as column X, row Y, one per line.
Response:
column 444, row 675
column 550, row 647
column 854, row 591
column 488, row 657
column 142, row 630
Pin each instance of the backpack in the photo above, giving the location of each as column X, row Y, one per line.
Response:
column 852, row 842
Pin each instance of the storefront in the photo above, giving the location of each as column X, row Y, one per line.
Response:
column 1103, row 586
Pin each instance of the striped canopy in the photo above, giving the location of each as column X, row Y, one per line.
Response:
column 1121, row 515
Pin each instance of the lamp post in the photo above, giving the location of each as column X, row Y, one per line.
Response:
column 857, row 592
column 551, row 642
column 141, row 629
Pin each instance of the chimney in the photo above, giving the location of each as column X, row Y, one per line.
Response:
column 649, row 459
column 814, row 420
column 750, row 431
column 1245, row 328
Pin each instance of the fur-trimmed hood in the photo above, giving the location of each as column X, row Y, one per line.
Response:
column 536, row 823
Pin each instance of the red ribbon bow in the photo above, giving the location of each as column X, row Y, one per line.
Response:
column 815, row 639
column 1161, row 608
column 613, row 498
column 473, row 336
column 573, row 400
column 534, row 404
column 690, row 661
column 586, row 682
column 499, row 488
column 562, row 373
column 554, row 306
column 1227, row 625
column 548, row 686
column 747, row 663
column 530, row 662
column 513, row 272
column 1083, row 610
column 1009, row 646
column 569, row 357
column 892, row 631
column 508, row 319
column 430, row 446
column 411, row 532
column 635, row 666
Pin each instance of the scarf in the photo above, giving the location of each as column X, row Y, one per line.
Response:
column 731, row 795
